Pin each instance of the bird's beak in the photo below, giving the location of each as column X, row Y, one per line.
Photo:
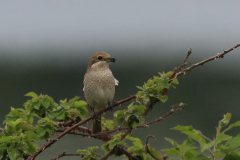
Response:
column 110, row 59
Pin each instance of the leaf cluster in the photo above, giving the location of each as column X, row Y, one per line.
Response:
column 20, row 136
column 72, row 110
column 222, row 146
column 155, row 88
column 90, row 153
column 131, row 117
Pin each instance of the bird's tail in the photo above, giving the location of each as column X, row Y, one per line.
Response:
column 97, row 125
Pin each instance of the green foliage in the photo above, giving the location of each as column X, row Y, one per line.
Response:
column 222, row 146
column 114, row 142
column 72, row 110
column 90, row 153
column 131, row 117
column 154, row 88
column 46, row 128
column 42, row 105
column 184, row 151
column 107, row 124
column 19, row 137
column 139, row 150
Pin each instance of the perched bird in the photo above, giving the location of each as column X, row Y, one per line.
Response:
column 99, row 85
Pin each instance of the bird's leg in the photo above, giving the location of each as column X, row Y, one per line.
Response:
column 93, row 112
column 109, row 106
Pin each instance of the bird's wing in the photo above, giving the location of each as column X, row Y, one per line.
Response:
column 116, row 82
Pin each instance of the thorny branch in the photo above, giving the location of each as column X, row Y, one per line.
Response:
column 177, row 71
column 65, row 154
column 221, row 55
column 147, row 150
column 180, row 106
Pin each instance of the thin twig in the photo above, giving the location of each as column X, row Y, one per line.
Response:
column 107, row 155
column 219, row 55
column 129, row 155
column 126, row 133
column 184, row 62
column 147, row 150
column 65, row 154
column 79, row 128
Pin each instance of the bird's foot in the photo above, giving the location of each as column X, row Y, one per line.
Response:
column 110, row 106
column 94, row 115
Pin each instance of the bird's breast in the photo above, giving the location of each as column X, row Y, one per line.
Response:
column 99, row 88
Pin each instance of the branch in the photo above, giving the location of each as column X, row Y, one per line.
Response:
column 107, row 155
column 150, row 106
column 69, row 124
column 147, row 147
column 64, row 154
column 122, row 138
column 180, row 106
column 184, row 63
column 219, row 55
column 129, row 155
column 126, row 133
column 52, row 141
column 177, row 72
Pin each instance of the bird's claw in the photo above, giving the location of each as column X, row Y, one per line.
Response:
column 110, row 106
column 94, row 115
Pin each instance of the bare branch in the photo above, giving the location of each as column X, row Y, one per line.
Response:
column 184, row 62
column 107, row 155
column 147, row 150
column 219, row 55
column 65, row 154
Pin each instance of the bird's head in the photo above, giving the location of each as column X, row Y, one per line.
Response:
column 100, row 59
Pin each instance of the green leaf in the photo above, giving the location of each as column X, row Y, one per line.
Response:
column 61, row 115
column 79, row 104
column 37, row 105
column 81, row 151
column 5, row 139
column 235, row 155
column 236, row 124
column 32, row 94
column 174, row 143
column 205, row 145
column 175, row 81
column 222, row 137
column 139, row 87
column 200, row 157
column 46, row 102
column 136, row 141
column 73, row 99
column 163, row 98
column 225, row 120
column 12, row 153
column 172, row 151
column 134, row 124
column 24, row 126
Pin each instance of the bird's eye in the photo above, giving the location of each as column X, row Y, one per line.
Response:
column 100, row 57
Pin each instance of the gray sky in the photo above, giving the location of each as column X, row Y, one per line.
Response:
column 103, row 25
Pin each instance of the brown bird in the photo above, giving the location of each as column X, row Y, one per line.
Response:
column 99, row 85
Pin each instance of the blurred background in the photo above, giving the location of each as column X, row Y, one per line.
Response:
column 45, row 47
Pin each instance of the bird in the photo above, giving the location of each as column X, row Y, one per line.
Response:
column 99, row 86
